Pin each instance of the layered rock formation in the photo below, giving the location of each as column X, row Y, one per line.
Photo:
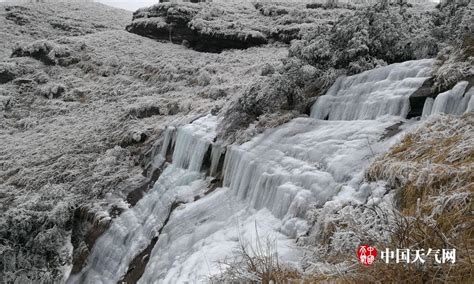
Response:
column 213, row 27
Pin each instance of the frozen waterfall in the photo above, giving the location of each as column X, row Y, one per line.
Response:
column 196, row 216
column 374, row 93
column 455, row 101
column 134, row 229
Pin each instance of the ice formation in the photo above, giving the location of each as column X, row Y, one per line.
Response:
column 374, row 93
column 455, row 101
column 267, row 183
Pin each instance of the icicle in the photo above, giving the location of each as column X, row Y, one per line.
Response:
column 427, row 107
column 216, row 154
column 452, row 101
column 192, row 142
column 168, row 140
column 374, row 93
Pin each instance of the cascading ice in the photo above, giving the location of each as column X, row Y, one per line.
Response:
column 268, row 182
column 130, row 233
column 371, row 94
column 302, row 161
column 455, row 101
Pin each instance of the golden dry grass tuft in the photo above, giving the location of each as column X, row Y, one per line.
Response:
column 432, row 171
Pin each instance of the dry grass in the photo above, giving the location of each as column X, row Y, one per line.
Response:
column 432, row 171
column 438, row 158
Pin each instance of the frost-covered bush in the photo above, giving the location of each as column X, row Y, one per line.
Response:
column 453, row 22
column 453, row 19
column 368, row 35
column 204, row 78
column 48, row 52
column 267, row 95
column 51, row 90
column 453, row 64
column 5, row 102
column 268, row 69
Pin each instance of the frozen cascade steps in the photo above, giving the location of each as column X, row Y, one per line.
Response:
column 374, row 93
column 456, row 101
column 130, row 233
column 268, row 182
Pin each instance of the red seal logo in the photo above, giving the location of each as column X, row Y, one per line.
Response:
column 366, row 254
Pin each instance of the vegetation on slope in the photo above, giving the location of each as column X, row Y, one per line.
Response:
column 358, row 41
column 432, row 172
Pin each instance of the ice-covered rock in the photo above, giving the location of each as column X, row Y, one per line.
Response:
column 455, row 101
column 374, row 93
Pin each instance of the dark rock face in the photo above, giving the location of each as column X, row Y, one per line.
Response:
column 9, row 71
column 418, row 98
column 146, row 111
column 138, row 264
column 6, row 76
column 86, row 229
column 172, row 22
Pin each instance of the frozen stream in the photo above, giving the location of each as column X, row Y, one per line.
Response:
column 267, row 183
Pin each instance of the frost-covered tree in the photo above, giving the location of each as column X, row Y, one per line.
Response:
column 331, row 3
column 384, row 4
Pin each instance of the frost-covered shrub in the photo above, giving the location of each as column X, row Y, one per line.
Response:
column 5, row 102
column 213, row 93
column 37, row 228
column 204, row 78
column 453, row 22
column 453, row 19
column 51, row 90
column 453, row 64
column 41, row 77
column 267, row 69
column 382, row 34
column 50, row 53
column 267, row 95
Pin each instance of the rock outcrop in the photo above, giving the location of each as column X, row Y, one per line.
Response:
column 418, row 98
column 213, row 27
column 179, row 23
